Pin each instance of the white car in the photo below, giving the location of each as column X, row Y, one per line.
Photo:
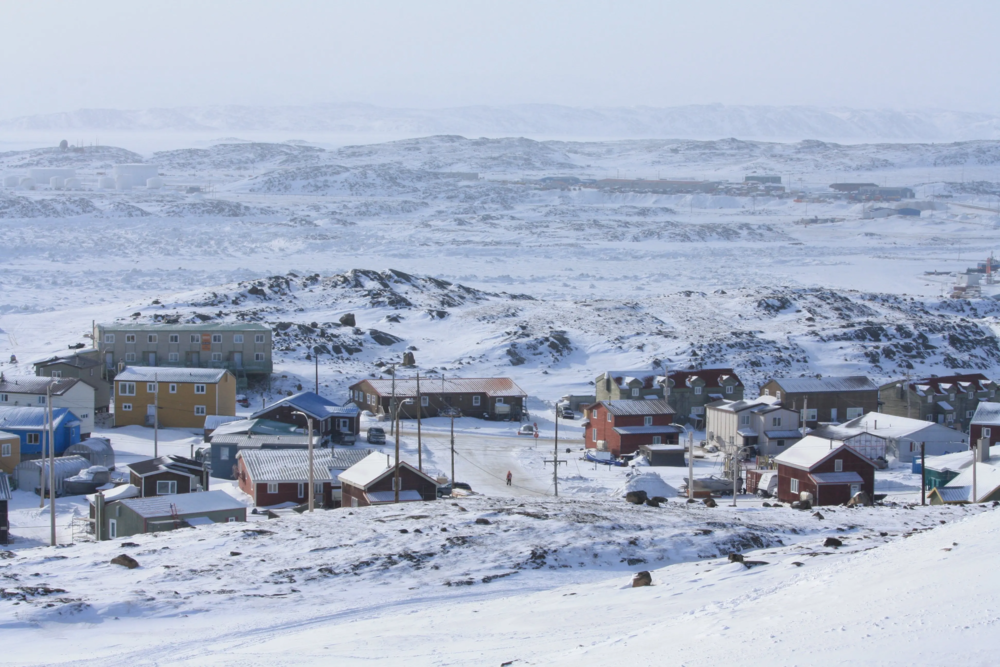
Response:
column 526, row 429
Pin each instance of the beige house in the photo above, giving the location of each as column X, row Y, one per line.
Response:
column 761, row 422
column 81, row 364
column 185, row 396
column 31, row 391
column 10, row 452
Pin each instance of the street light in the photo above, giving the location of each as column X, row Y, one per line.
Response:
column 395, row 474
column 309, row 424
column 735, row 468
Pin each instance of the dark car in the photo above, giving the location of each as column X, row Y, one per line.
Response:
column 444, row 490
column 567, row 413
column 376, row 435
column 462, row 485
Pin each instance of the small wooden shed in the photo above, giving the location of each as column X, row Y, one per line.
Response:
column 664, row 455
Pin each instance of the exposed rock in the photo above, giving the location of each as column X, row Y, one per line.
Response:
column 818, row 515
column 348, row 320
column 710, row 502
column 636, row 497
column 483, row 521
column 832, row 542
column 735, row 558
column 643, row 578
column 125, row 561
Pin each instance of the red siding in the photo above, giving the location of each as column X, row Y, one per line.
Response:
column 827, row 494
column 976, row 432
column 619, row 444
column 409, row 480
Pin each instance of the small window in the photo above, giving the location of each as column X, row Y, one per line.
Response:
column 424, row 401
column 231, row 519
column 129, row 356
column 109, row 338
column 238, row 338
column 968, row 414
column 129, row 338
column 838, row 465
column 930, row 398
column 647, row 421
column 166, row 487
column 767, row 392
column 41, row 400
column 33, row 439
column 126, row 388
column 729, row 388
column 793, row 485
column 151, row 338
column 499, row 400
column 272, row 487
column 150, row 387
column 173, row 388
column 986, row 432
column 635, row 391
column 302, row 490
column 609, row 415
column 223, row 453
column 780, row 443
column 258, row 356
column 5, row 450
column 697, row 391
column 126, row 407
column 775, row 421
column 216, row 338
column 368, row 399
column 777, row 395
column 195, row 338
column 199, row 389
column 4, row 398
column 744, row 420
column 476, row 400
column 57, row 374
column 199, row 410
column 595, row 435
column 174, row 338
column 656, row 440
column 112, row 528
column 259, row 338
column 173, row 357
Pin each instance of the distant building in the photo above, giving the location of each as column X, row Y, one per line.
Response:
column 331, row 422
column 621, row 427
column 135, row 516
column 168, row 475
column 753, row 178
column 877, row 435
column 10, row 451
column 661, row 186
column 830, row 399
column 84, row 365
column 948, row 399
column 371, row 481
column 692, row 390
column 959, row 490
column 275, row 476
column 31, row 425
column 489, row 398
column 876, row 192
column 851, row 187
column 185, row 396
column 830, row 470
column 763, row 423
column 985, row 424
column 70, row 393
column 625, row 385
column 33, row 475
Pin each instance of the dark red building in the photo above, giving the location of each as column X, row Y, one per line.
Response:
column 621, row 427
column 985, row 424
column 275, row 476
column 370, row 482
column 828, row 469
column 168, row 475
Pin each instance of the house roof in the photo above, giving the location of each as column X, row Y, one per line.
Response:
column 836, row 478
column 32, row 418
column 817, row 385
column 495, row 387
column 713, row 377
column 4, row 435
column 372, row 468
column 987, row 414
column 170, row 462
column 890, row 426
column 76, row 360
column 664, row 448
column 33, row 384
column 638, row 408
column 259, row 440
column 757, row 404
column 810, row 451
column 949, row 462
column 646, row 430
column 185, row 503
column 64, row 466
column 946, row 384
column 168, row 374
column 292, row 465
column 623, row 378
column 4, row 486
column 987, row 481
column 255, row 426
column 956, row 494
column 213, row 422
column 203, row 326
column 313, row 405
column 120, row 492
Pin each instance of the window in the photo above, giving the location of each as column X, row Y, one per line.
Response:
column 57, row 374
column 223, row 453
column 838, row 465
column 112, row 528
column 777, row 395
column 109, row 338
column 593, row 413
column 129, row 338
column 424, row 401
column 968, row 414
column 775, row 421
column 635, row 391
column 499, row 400
column 4, row 398
column 238, row 338
column 647, row 421
column 656, row 440
column 173, row 388
column 151, row 388
column 195, row 338
column 767, row 392
column 166, row 487
column 174, row 338
column 809, row 415
column 126, row 388
column 854, row 413
column 302, row 490
column 216, row 356
column 697, row 391
column 126, row 407
column 986, row 432
column 475, row 400
column 231, row 519
column 609, row 415
column 199, row 389
column 199, row 410
column 744, row 420
column 258, row 356
column 930, row 398
column 41, row 400
column 130, row 356
column 259, row 338
column 173, row 356
column 793, row 485
column 698, row 409
column 5, row 449
column 729, row 388
column 780, row 443
column 34, row 439
column 151, row 338
column 595, row 435
column 272, row 487
column 216, row 338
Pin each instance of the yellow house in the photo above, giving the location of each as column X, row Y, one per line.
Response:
column 184, row 396
column 10, row 451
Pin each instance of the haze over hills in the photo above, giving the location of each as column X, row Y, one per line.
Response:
column 788, row 123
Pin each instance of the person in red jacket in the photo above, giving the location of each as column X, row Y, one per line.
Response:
column 510, row 478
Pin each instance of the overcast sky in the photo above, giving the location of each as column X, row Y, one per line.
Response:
column 62, row 56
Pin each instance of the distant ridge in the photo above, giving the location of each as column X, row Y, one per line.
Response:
column 778, row 123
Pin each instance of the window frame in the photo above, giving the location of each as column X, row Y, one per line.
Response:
column 130, row 338
column 199, row 411
column 237, row 339
column 272, row 488
column 216, row 339
column 151, row 387
column 477, row 401
column 697, row 391
column 170, row 484
column 793, row 485
column 5, row 450
column 258, row 356
column 33, row 438
column 172, row 388
column 657, row 440
column 174, row 338
column 200, row 389
column 647, row 420
column 152, row 338
column 129, row 356
column 838, row 465
column 126, row 407
column 109, row 339
column 195, row 338
column 635, row 391
column 729, row 388
column 174, row 357
column 126, row 388
column 259, row 339
column 425, row 400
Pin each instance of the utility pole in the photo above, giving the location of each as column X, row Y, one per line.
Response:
column 52, row 464
column 975, row 457
column 923, row 474
column 420, row 409
column 452, row 411
column 555, row 456
column 156, row 416
column 392, row 406
column 690, row 465
column 43, row 438
column 309, row 427
column 316, row 359
column 395, row 473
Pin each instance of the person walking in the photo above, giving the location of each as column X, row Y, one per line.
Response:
column 510, row 478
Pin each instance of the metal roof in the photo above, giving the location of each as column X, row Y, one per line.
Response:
column 373, row 467
column 33, row 384
column 646, row 430
column 4, row 435
column 313, row 405
column 891, row 426
column 255, row 426
column 34, row 418
column 774, row 435
column 97, row 450
column 258, row 440
column 811, row 451
column 213, row 422
column 64, row 466
column 408, row 388
column 759, row 403
column 172, row 462
column 640, row 408
column 837, row 478
column 292, row 465
column 168, row 374
column 987, row 414
column 200, row 502
column 4, row 487
column 75, row 360
column 204, row 326
column 816, row 385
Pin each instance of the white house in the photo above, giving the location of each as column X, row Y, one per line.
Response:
column 71, row 393
column 763, row 422
column 878, row 435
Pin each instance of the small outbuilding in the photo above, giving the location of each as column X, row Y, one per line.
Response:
column 134, row 516
column 664, row 455
column 96, row 450
column 371, row 482
column 34, row 475
column 10, row 451
column 168, row 475
column 828, row 469
column 964, row 489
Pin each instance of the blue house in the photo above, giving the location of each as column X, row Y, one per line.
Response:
column 31, row 425
column 332, row 422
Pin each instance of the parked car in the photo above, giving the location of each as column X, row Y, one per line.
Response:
column 242, row 400
column 462, row 485
column 376, row 435
column 567, row 413
column 526, row 429
column 347, row 439
column 444, row 490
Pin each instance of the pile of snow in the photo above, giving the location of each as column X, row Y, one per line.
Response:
column 650, row 482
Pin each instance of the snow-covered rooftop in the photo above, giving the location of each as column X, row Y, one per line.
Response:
column 814, row 385
column 185, row 503
column 808, row 452
column 168, row 374
column 987, row 414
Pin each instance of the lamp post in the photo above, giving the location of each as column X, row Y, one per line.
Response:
column 734, row 468
column 395, row 473
column 309, row 424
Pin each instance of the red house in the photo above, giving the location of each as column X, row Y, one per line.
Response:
column 276, row 476
column 621, row 427
column 370, row 482
column 828, row 469
column 985, row 424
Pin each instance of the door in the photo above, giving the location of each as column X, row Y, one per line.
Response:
column 151, row 358
column 238, row 359
column 833, row 414
column 150, row 415
column 112, row 528
column 345, row 425
column 109, row 360
column 193, row 360
column 854, row 489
